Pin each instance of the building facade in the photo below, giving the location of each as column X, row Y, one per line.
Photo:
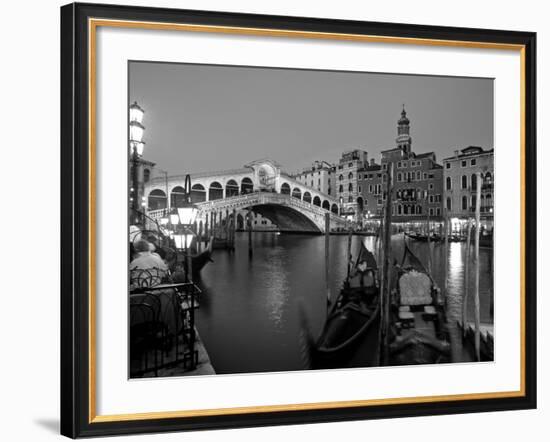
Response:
column 417, row 181
column 347, row 182
column 320, row 176
column 461, row 173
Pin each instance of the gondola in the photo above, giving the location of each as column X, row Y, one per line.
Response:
column 424, row 238
column 351, row 316
column 418, row 326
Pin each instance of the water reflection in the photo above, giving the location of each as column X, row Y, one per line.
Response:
column 249, row 317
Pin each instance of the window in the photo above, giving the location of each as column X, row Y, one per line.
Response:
column 473, row 162
column 431, row 212
column 384, row 166
column 384, row 178
column 448, row 165
column 350, row 199
column 399, row 176
column 341, row 189
column 438, row 211
column 431, row 186
column 464, row 184
column 350, row 187
column 473, row 205
column 399, row 209
column 341, row 177
column 464, row 202
column 146, row 175
column 448, row 203
column 399, row 164
column 350, row 164
column 350, row 176
column 359, row 189
column 463, row 163
column 425, row 176
column 418, row 176
column 474, row 181
column 419, row 210
column 448, row 183
column 370, row 188
column 431, row 199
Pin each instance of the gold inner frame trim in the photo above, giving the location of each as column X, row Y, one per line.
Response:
column 93, row 24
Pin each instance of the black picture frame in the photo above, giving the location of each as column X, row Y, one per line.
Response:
column 76, row 402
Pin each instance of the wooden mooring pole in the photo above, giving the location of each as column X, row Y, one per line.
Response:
column 446, row 255
column 466, row 280
column 384, row 284
column 250, row 233
column 476, row 268
column 327, row 245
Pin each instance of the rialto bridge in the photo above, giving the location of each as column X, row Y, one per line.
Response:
column 260, row 186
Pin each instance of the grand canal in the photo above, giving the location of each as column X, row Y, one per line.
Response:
column 249, row 315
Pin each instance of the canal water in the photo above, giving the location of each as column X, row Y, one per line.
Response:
column 249, row 316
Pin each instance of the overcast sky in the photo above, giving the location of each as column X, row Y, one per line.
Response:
column 204, row 118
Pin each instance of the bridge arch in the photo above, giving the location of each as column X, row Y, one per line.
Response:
column 156, row 200
column 285, row 189
column 307, row 197
column 198, row 193
column 297, row 193
column 326, row 205
column 231, row 188
column 215, row 191
column 334, row 209
column 317, row 201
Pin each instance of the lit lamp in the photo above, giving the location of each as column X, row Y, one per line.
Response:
column 183, row 238
column 137, row 146
column 187, row 213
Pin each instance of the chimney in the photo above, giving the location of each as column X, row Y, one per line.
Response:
column 456, row 153
column 372, row 161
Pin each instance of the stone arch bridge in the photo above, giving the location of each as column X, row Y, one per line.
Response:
column 260, row 185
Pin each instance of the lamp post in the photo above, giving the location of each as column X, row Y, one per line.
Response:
column 183, row 218
column 137, row 146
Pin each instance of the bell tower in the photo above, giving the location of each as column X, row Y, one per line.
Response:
column 404, row 139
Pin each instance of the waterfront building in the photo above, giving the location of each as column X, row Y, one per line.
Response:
column 319, row 176
column 460, row 183
column 417, row 181
column 370, row 187
column 347, row 182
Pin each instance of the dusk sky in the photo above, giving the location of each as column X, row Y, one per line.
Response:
column 201, row 118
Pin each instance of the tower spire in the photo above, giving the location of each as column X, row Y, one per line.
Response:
column 404, row 139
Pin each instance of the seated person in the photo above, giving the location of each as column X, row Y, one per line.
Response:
column 147, row 269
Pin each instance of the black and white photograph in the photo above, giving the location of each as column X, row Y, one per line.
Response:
column 293, row 219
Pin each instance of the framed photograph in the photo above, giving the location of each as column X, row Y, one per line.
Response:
column 274, row 220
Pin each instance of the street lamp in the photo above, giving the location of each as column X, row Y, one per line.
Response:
column 137, row 146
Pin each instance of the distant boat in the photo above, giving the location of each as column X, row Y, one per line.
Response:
column 418, row 330
column 424, row 238
column 351, row 315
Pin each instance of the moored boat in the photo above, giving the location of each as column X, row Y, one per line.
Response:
column 351, row 316
column 418, row 326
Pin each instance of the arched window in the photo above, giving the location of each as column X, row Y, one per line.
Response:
column 473, row 205
column 177, row 196
column 215, row 192
column 464, row 202
column 448, row 183
column 464, row 182
column 317, row 201
column 350, row 187
column 307, row 197
column 474, row 181
column 341, row 177
column 198, row 193
column 350, row 176
column 341, row 188
column 334, row 209
column 156, row 200
column 488, row 200
column 350, row 199
column 246, row 185
column 448, row 203
column 231, row 188
column 297, row 193
column 326, row 205
column 285, row 189
column 419, row 210
column 360, row 204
